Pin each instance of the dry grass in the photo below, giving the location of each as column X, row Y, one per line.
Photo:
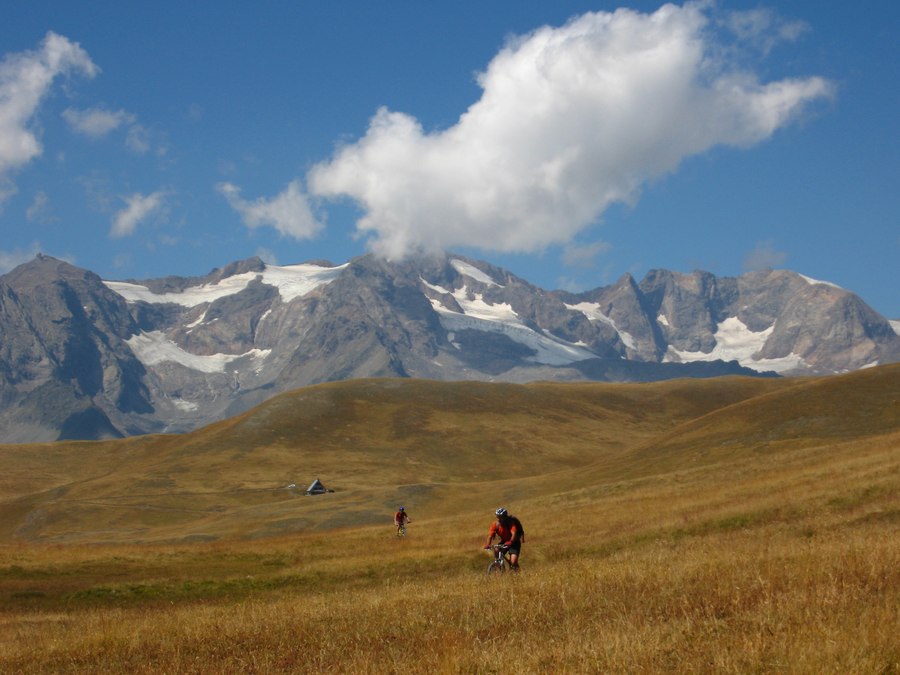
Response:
column 376, row 442
column 776, row 552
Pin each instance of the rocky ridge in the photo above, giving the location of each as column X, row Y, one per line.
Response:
column 86, row 358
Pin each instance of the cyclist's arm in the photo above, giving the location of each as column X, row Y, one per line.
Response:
column 513, row 535
column 491, row 534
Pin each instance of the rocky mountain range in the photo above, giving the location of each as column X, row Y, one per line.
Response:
column 84, row 358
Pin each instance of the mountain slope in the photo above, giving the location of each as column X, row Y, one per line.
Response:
column 431, row 444
column 83, row 358
column 65, row 368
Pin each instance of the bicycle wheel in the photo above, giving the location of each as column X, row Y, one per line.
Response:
column 496, row 568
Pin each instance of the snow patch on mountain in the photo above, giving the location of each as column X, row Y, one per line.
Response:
column 895, row 325
column 191, row 326
column 472, row 272
column 152, row 348
column 476, row 307
column 736, row 342
column 548, row 350
column 189, row 297
column 437, row 289
column 592, row 311
column 813, row 282
column 186, row 406
column 295, row 281
column 501, row 318
column 292, row 281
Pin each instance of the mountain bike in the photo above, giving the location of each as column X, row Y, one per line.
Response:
column 500, row 562
column 401, row 530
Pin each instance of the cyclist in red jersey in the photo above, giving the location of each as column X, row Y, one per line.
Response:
column 401, row 518
column 509, row 530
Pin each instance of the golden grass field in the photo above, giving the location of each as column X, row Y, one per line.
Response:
column 729, row 525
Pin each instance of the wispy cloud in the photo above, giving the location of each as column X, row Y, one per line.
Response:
column 267, row 255
column 762, row 28
column 12, row 259
column 138, row 208
column 570, row 121
column 584, row 255
column 25, row 80
column 288, row 212
column 40, row 211
column 138, row 139
column 96, row 122
column 764, row 256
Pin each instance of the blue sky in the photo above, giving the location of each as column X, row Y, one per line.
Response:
column 568, row 142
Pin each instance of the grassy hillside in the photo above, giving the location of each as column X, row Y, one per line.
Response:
column 693, row 526
column 376, row 443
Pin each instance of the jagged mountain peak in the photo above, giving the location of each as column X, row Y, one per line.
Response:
column 43, row 268
column 254, row 264
column 170, row 354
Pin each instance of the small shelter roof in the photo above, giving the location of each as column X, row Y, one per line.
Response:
column 316, row 488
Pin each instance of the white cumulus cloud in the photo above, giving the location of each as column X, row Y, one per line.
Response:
column 137, row 209
column 570, row 120
column 25, row 80
column 288, row 212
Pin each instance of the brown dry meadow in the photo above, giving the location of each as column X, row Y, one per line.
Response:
column 710, row 526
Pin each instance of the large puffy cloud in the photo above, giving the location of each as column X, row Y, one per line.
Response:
column 25, row 79
column 137, row 209
column 288, row 212
column 571, row 119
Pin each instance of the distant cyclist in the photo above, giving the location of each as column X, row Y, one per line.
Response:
column 401, row 518
column 509, row 530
